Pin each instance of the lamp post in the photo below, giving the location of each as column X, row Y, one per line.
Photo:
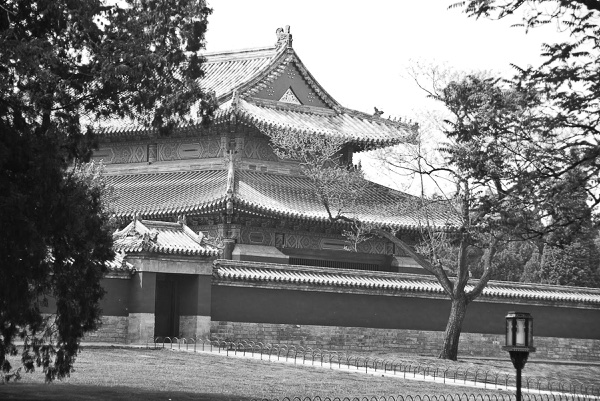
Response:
column 519, row 341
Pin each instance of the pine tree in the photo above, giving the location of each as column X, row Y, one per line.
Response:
column 64, row 65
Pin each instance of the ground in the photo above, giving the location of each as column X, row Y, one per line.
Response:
column 146, row 374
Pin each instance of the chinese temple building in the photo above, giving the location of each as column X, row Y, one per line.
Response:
column 227, row 181
column 282, row 272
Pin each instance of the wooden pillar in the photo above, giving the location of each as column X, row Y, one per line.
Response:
column 228, row 245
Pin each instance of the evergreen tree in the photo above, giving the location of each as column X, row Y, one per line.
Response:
column 566, row 81
column 64, row 64
column 572, row 264
column 531, row 271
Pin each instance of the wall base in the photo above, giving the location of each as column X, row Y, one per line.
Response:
column 194, row 326
column 140, row 328
column 427, row 343
column 113, row 330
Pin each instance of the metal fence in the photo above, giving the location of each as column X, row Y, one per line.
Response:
column 407, row 369
column 448, row 397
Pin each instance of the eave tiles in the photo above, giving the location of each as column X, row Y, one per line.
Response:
column 159, row 194
column 267, row 273
column 119, row 264
column 155, row 195
column 293, row 197
column 227, row 71
column 161, row 237
column 353, row 127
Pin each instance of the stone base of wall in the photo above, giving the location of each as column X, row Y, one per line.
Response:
column 140, row 328
column 112, row 330
column 427, row 343
column 194, row 326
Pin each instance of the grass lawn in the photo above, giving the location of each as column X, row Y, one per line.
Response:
column 140, row 374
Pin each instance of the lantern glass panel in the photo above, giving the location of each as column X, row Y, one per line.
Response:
column 509, row 335
column 520, row 332
column 530, row 332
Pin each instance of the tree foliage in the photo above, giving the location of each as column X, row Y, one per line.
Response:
column 567, row 147
column 568, row 84
column 64, row 65
column 509, row 192
column 479, row 112
column 575, row 264
column 340, row 188
column 571, row 256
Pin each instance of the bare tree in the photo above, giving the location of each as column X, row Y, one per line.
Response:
column 499, row 190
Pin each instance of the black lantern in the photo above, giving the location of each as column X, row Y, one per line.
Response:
column 519, row 342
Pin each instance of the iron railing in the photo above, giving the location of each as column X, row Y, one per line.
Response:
column 406, row 368
column 447, row 397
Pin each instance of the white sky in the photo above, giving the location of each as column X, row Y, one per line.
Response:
column 358, row 50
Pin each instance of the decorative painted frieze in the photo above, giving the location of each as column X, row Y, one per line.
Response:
column 168, row 151
column 206, row 148
column 131, row 153
column 259, row 149
column 281, row 237
column 152, row 152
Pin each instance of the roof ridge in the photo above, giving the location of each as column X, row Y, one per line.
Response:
column 325, row 270
column 276, row 67
column 242, row 53
column 157, row 223
column 396, row 123
column 399, row 276
column 298, row 108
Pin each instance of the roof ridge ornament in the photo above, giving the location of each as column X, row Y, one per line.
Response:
column 235, row 100
column 284, row 37
column 290, row 97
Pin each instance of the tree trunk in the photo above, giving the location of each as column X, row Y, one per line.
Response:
column 454, row 327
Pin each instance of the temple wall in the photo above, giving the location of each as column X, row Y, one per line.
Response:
column 116, row 300
column 114, row 329
column 349, row 307
column 341, row 319
column 416, row 342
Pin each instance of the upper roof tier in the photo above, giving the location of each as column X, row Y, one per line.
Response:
column 271, row 88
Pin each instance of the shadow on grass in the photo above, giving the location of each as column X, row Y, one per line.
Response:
column 79, row 392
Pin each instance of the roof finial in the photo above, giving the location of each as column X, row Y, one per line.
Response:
column 284, row 37
column 377, row 112
column 235, row 99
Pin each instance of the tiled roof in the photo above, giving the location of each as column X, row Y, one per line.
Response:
column 227, row 71
column 228, row 270
column 119, row 264
column 292, row 196
column 159, row 194
column 167, row 194
column 245, row 72
column 350, row 125
column 161, row 237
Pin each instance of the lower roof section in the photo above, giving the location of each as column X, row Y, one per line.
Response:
column 170, row 193
column 270, row 274
column 153, row 195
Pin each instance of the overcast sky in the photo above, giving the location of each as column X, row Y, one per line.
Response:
column 358, row 50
